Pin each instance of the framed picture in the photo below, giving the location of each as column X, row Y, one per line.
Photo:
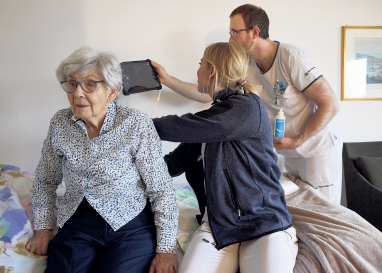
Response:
column 361, row 63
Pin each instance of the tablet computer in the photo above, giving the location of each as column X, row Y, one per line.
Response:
column 139, row 76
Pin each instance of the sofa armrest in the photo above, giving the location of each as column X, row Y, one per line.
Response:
column 362, row 197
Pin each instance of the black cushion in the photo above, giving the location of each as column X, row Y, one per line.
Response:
column 371, row 169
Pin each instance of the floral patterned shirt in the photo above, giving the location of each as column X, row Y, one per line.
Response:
column 115, row 172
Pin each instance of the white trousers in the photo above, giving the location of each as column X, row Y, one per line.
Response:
column 323, row 172
column 273, row 253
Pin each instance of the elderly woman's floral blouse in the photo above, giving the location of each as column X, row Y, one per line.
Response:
column 114, row 172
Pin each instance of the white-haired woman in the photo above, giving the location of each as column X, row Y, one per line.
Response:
column 109, row 156
column 227, row 155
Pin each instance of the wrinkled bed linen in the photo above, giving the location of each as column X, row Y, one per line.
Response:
column 332, row 238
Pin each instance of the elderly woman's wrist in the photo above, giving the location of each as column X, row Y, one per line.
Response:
column 170, row 251
column 43, row 226
column 44, row 232
column 43, row 218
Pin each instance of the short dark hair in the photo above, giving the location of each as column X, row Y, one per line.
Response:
column 253, row 16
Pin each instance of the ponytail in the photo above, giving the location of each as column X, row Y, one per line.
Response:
column 232, row 66
column 249, row 88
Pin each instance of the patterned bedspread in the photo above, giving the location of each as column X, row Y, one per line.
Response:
column 16, row 220
column 331, row 237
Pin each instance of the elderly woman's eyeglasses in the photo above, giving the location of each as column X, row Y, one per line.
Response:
column 88, row 86
column 233, row 33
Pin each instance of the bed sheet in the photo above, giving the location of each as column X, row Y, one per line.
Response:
column 16, row 220
column 331, row 237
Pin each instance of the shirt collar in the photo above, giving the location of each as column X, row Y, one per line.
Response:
column 109, row 118
column 224, row 95
column 74, row 117
column 108, row 121
column 274, row 58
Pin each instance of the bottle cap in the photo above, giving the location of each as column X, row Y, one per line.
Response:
column 280, row 113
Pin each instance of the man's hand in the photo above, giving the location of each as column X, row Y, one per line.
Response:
column 286, row 143
column 38, row 244
column 164, row 263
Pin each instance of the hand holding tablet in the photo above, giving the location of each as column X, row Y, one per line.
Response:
column 139, row 76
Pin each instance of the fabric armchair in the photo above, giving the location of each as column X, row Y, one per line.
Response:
column 362, row 163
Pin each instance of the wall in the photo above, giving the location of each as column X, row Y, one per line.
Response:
column 35, row 36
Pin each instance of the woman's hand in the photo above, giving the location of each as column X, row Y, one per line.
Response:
column 162, row 74
column 164, row 263
column 38, row 244
column 188, row 90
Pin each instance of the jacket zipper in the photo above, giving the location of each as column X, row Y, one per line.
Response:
column 233, row 194
column 216, row 245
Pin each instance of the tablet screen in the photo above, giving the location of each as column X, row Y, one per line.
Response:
column 139, row 76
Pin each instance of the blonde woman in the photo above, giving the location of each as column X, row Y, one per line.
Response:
column 227, row 155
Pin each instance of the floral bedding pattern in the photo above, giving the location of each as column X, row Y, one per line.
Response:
column 16, row 220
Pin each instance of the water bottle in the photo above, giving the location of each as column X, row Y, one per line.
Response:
column 280, row 124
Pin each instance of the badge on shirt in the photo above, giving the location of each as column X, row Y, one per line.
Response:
column 307, row 73
column 280, row 87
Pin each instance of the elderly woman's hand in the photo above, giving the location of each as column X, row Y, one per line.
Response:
column 38, row 244
column 164, row 263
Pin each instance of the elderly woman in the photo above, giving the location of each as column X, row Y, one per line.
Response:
column 109, row 156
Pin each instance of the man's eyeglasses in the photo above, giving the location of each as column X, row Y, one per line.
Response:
column 233, row 33
column 89, row 86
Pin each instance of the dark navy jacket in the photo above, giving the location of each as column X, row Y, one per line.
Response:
column 243, row 195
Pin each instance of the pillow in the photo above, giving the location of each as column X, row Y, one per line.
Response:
column 371, row 169
column 288, row 186
column 187, row 226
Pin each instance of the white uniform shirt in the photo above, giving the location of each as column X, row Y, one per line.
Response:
column 294, row 65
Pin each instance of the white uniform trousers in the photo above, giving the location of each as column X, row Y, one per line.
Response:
column 273, row 253
column 323, row 171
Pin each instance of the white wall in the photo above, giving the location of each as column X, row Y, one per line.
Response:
column 35, row 36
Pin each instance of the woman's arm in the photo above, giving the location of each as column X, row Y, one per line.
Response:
column 175, row 160
column 185, row 89
column 153, row 171
column 234, row 119
column 48, row 177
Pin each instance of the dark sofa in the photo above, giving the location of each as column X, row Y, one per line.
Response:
column 362, row 163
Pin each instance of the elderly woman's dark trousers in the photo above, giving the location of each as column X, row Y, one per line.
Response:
column 87, row 243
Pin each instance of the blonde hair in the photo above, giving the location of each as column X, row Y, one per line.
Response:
column 231, row 61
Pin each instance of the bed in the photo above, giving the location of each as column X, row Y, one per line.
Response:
column 332, row 238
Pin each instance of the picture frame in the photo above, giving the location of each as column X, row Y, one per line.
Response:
column 361, row 63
